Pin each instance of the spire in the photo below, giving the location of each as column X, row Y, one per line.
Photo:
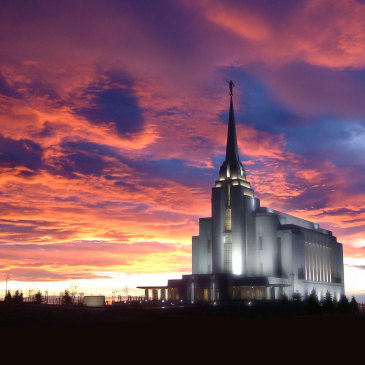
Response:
column 232, row 148
column 232, row 167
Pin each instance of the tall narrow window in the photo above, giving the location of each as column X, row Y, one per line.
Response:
column 228, row 255
column 229, row 195
column 279, row 264
column 228, row 219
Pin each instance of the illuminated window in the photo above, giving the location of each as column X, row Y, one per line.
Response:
column 228, row 219
column 229, row 195
column 228, row 255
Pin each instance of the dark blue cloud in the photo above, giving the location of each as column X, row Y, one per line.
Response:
column 175, row 170
column 87, row 158
column 114, row 102
column 22, row 152
column 79, row 158
column 330, row 137
column 6, row 89
column 82, row 163
column 48, row 130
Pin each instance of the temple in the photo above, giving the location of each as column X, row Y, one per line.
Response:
column 248, row 252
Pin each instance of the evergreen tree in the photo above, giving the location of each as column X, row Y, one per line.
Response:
column 354, row 305
column 284, row 298
column 344, row 305
column 8, row 297
column 313, row 302
column 297, row 297
column 38, row 298
column 16, row 297
column 327, row 303
column 66, row 298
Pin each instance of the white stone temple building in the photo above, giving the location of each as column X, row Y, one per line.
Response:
column 248, row 252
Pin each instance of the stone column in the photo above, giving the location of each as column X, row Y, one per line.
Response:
column 214, row 290
column 163, row 294
column 154, row 294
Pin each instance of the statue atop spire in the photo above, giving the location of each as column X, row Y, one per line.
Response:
column 231, row 84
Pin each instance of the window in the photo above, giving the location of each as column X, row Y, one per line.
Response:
column 279, row 264
column 229, row 195
column 228, row 219
column 228, row 255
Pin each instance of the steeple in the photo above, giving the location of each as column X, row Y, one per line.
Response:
column 232, row 168
column 232, row 149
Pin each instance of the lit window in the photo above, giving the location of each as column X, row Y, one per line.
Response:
column 228, row 219
column 228, row 255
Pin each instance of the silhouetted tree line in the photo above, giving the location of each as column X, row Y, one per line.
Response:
column 328, row 304
column 65, row 298
column 16, row 298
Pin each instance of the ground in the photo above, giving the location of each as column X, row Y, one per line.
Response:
column 156, row 333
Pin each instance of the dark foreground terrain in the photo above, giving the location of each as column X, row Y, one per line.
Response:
column 156, row 333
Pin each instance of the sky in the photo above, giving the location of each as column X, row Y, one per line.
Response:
column 113, row 120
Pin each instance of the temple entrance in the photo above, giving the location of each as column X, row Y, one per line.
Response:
column 247, row 292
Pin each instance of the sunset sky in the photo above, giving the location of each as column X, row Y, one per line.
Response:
column 113, row 119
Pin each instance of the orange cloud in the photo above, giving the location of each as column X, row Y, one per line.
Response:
column 324, row 33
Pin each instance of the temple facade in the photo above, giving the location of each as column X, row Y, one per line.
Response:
column 248, row 252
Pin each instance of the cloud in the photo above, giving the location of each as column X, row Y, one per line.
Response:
column 322, row 33
column 81, row 259
column 113, row 125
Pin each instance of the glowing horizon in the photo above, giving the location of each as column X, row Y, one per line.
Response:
column 113, row 128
